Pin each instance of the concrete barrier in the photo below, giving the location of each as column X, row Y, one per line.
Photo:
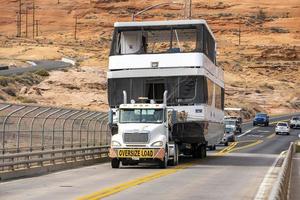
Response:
column 280, row 190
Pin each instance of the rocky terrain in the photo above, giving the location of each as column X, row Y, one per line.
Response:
column 258, row 47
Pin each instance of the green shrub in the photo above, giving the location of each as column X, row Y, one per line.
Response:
column 261, row 15
column 10, row 91
column 26, row 100
column 4, row 81
column 42, row 72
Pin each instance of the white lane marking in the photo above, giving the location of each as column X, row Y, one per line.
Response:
column 267, row 183
column 264, row 131
column 252, row 135
column 247, row 132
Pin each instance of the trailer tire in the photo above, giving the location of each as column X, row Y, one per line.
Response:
column 202, row 150
column 115, row 163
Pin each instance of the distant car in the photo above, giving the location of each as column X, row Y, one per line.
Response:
column 282, row 128
column 234, row 124
column 295, row 122
column 261, row 118
column 228, row 136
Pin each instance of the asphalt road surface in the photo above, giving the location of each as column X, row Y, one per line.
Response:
column 46, row 65
column 239, row 171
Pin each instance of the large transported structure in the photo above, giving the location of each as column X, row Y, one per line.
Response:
column 149, row 58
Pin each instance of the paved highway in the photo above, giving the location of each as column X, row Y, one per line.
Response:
column 45, row 64
column 240, row 171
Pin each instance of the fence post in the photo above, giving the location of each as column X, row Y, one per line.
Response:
column 63, row 127
column 81, row 127
column 53, row 127
column 19, row 126
column 88, row 128
column 72, row 132
column 102, row 117
column 46, row 118
column 32, row 122
column 4, row 122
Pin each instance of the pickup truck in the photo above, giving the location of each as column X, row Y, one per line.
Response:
column 295, row 122
column 261, row 119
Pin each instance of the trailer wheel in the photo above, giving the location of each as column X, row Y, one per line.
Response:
column 202, row 150
column 115, row 163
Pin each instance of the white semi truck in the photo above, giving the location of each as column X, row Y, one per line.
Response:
column 166, row 69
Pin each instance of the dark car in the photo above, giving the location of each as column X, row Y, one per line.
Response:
column 261, row 118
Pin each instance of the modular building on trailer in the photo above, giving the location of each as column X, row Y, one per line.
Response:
column 149, row 58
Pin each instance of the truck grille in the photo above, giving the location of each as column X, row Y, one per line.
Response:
column 136, row 137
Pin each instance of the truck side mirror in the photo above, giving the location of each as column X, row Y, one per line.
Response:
column 110, row 117
column 173, row 117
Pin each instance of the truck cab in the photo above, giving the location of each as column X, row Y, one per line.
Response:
column 142, row 135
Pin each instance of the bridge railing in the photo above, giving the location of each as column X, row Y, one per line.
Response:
column 45, row 134
column 280, row 190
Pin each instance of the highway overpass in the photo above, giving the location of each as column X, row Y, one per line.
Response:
column 246, row 169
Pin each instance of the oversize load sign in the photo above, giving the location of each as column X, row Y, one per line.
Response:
column 141, row 153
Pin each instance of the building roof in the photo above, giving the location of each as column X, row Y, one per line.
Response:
column 163, row 23
column 142, row 106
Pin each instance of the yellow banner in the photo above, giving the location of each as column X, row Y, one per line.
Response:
column 141, row 153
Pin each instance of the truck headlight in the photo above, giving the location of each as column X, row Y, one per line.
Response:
column 115, row 143
column 157, row 144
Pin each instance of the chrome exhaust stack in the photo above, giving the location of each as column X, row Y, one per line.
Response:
column 165, row 97
column 124, row 97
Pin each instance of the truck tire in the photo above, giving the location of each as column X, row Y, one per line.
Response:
column 174, row 161
column 212, row 147
column 202, row 149
column 226, row 144
column 115, row 163
column 164, row 164
column 199, row 151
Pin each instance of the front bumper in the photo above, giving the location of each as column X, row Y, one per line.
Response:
column 137, row 153
column 259, row 122
column 282, row 131
column 295, row 125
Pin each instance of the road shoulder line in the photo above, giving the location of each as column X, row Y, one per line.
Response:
column 268, row 180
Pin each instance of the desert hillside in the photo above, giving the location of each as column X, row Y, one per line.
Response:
column 258, row 47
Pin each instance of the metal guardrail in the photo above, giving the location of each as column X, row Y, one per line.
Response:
column 35, row 135
column 280, row 190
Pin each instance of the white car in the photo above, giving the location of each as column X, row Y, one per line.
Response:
column 282, row 128
column 295, row 122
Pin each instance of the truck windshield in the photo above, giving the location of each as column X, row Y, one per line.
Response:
column 261, row 115
column 231, row 122
column 229, row 129
column 141, row 116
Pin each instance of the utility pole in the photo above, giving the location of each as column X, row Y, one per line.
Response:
column 26, row 22
column 20, row 18
column 17, row 23
column 33, row 18
column 37, row 27
column 190, row 13
column 239, row 32
column 187, row 9
column 75, row 27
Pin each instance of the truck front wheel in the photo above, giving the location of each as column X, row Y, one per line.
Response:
column 164, row 163
column 175, row 159
column 115, row 163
